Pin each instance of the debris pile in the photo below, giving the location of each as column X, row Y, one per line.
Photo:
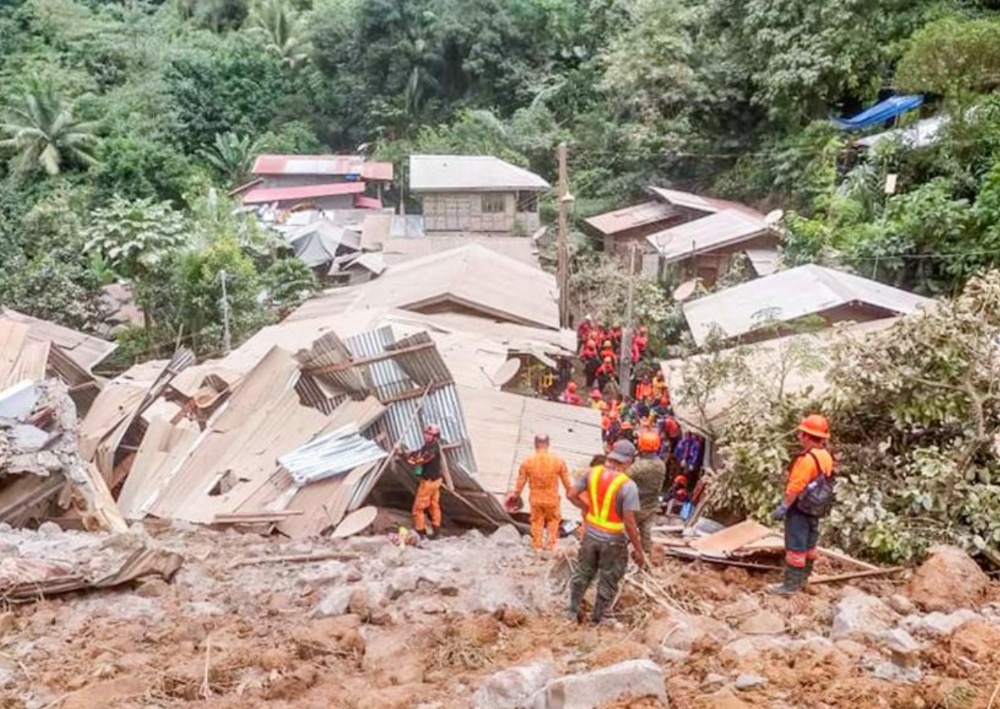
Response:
column 42, row 475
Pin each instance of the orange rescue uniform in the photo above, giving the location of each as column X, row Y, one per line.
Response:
column 543, row 471
column 804, row 471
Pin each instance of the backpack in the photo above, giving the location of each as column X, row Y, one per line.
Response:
column 818, row 497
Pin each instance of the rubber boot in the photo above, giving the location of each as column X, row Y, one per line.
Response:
column 795, row 579
column 807, row 571
column 600, row 608
column 575, row 599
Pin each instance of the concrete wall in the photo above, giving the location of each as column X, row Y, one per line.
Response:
column 446, row 212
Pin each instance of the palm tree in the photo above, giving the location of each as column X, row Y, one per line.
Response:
column 42, row 131
column 233, row 155
column 282, row 30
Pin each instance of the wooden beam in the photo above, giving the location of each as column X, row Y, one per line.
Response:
column 342, row 366
column 856, row 575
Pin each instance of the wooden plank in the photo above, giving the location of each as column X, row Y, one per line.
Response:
column 719, row 561
column 725, row 542
column 840, row 556
column 856, row 575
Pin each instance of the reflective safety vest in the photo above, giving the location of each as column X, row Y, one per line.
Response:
column 603, row 487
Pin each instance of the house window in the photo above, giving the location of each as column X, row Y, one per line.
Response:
column 493, row 204
column 527, row 202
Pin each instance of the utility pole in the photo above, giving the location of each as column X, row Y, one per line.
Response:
column 227, row 341
column 565, row 200
column 625, row 357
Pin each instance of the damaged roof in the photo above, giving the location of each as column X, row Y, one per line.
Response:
column 86, row 350
column 788, row 295
column 333, row 165
column 638, row 215
column 470, row 173
column 709, row 205
column 471, row 278
column 265, row 195
column 707, row 234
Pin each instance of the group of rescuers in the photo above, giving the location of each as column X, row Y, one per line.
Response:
column 619, row 497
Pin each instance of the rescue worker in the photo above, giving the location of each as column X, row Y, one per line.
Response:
column 591, row 362
column 543, row 471
column 429, row 464
column 639, row 344
column 662, row 409
column 802, row 530
column 570, row 396
column 648, row 472
column 627, row 432
column 608, row 352
column 659, row 385
column 610, row 501
column 584, row 331
column 596, row 399
column 605, row 373
column 615, row 334
column 644, row 390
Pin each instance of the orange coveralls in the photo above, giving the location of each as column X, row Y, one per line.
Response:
column 542, row 471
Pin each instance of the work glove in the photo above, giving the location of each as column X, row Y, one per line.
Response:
column 780, row 511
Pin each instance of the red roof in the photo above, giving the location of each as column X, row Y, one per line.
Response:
column 339, row 165
column 298, row 194
column 362, row 202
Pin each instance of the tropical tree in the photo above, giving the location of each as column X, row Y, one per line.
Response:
column 42, row 131
column 232, row 155
column 282, row 29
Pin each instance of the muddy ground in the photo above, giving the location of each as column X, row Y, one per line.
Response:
column 401, row 627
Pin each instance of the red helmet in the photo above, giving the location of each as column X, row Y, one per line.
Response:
column 681, row 480
column 643, row 329
column 816, row 426
column 649, row 442
column 571, row 387
column 672, row 428
column 595, row 394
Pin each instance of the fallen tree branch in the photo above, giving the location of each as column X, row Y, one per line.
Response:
column 298, row 558
column 857, row 575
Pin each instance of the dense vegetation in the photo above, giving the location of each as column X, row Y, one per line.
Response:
column 125, row 122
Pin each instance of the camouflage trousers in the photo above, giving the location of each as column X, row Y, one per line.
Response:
column 605, row 560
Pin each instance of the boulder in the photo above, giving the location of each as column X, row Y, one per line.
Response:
column 334, row 603
column 901, row 604
column 859, row 615
column 712, row 680
column 763, row 623
column 746, row 682
column 977, row 640
column 680, row 631
column 632, row 679
column 514, row 687
column 506, row 536
column 938, row 625
column 899, row 642
column 947, row 580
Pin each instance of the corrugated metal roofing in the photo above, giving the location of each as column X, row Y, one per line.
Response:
column 763, row 359
column 471, row 278
column 331, row 454
column 924, row 132
column 700, row 203
column 264, row 195
column 470, row 173
column 339, row 165
column 86, row 350
column 706, row 234
column 401, row 250
column 788, row 295
column 637, row 215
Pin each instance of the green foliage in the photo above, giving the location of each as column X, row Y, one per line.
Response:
column 42, row 133
column 282, row 31
column 915, row 415
column 233, row 156
column 138, row 167
column 952, row 56
column 288, row 282
column 135, row 237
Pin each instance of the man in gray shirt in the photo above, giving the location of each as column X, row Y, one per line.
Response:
column 610, row 500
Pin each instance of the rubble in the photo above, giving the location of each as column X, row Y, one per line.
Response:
column 949, row 579
column 938, row 624
column 859, row 615
column 514, row 687
column 633, row 679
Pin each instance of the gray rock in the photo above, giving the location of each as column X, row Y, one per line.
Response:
column 763, row 622
column 896, row 673
column 196, row 608
column 860, row 615
column 713, row 679
column 334, row 603
column 852, row 649
column 899, row 641
column 938, row 624
column 5, row 527
column 49, row 529
column 325, row 574
column 635, row 678
column 752, row 646
column 670, row 656
column 901, row 604
column 506, row 536
column 514, row 687
column 745, row 682
column 366, row 545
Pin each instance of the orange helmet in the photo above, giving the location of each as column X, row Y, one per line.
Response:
column 816, row 426
column 649, row 442
column 643, row 329
column 571, row 387
column 607, row 360
column 607, row 343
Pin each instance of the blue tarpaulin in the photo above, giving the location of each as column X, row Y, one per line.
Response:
column 879, row 113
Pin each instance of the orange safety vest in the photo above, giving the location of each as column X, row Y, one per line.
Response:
column 603, row 487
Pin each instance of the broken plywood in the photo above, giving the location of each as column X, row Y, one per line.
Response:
column 731, row 539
